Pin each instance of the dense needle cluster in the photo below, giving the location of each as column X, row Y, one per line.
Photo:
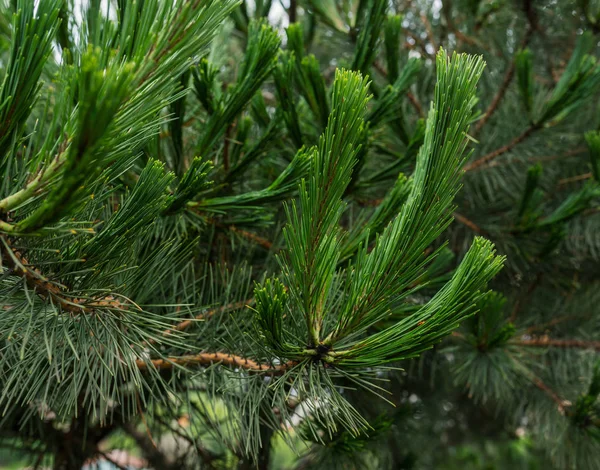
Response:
column 248, row 239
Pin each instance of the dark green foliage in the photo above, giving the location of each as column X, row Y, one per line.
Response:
column 229, row 246
column 524, row 66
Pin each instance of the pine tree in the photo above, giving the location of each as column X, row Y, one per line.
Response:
column 335, row 234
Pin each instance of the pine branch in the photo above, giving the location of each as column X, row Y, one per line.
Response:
column 468, row 223
column 554, row 321
column 382, row 274
column 50, row 291
column 506, row 81
column 311, row 234
column 574, row 179
column 411, row 98
column 184, row 325
column 30, row 47
column 429, row 31
column 149, row 450
column 502, row 150
column 254, row 238
column 546, row 342
column 207, row 359
column 561, row 403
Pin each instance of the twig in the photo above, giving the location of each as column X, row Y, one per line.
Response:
column 572, row 179
column 188, row 123
column 226, row 144
column 155, row 457
column 207, row 359
column 508, row 76
column 205, row 454
column 468, row 223
column 546, row 158
column 527, row 294
column 202, row 316
column 252, row 237
column 292, row 11
column 112, row 461
column 460, row 36
column 429, row 31
column 545, row 342
column 562, row 404
column 47, row 290
column 554, row 321
column 413, row 100
column 419, row 42
column 505, row 148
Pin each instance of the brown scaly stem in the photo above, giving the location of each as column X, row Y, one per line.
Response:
column 502, row 150
column 47, row 290
column 207, row 359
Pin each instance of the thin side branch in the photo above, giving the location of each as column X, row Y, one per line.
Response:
column 554, row 321
column 267, row 244
column 468, row 223
column 574, row 179
column 209, row 313
column 413, row 100
column 561, row 403
column 545, row 342
column 47, row 290
column 207, row 359
column 508, row 76
column 502, row 150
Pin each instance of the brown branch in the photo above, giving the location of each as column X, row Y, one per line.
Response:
column 226, row 143
column 545, row 342
column 188, row 123
column 419, row 42
column 209, row 313
column 525, row 295
column 554, row 321
column 468, row 39
column 460, row 36
column 207, row 359
column 48, row 290
column 468, row 223
column 150, row 452
column 562, row 404
column 546, row 158
column 253, row 237
column 502, row 150
column 429, row 31
column 573, row 179
column 413, row 100
column 508, row 76
column 267, row 244
column 292, row 11
column 415, row 103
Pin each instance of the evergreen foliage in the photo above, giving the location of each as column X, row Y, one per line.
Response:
column 330, row 234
